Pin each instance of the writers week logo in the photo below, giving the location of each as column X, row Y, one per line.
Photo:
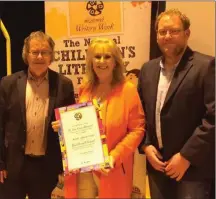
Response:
column 95, row 18
column 95, row 8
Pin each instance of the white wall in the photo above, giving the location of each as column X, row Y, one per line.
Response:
column 202, row 18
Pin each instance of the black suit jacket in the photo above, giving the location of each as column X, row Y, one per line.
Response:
column 188, row 113
column 13, row 121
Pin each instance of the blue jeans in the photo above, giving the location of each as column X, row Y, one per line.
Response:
column 163, row 187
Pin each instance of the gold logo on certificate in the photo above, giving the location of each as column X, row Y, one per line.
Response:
column 78, row 116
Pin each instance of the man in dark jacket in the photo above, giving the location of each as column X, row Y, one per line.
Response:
column 30, row 156
column 178, row 95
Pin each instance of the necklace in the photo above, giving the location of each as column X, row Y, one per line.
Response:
column 100, row 98
column 98, row 105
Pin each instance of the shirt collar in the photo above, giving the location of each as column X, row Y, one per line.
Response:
column 31, row 77
column 162, row 64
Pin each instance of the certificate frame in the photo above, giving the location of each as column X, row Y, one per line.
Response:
column 58, row 112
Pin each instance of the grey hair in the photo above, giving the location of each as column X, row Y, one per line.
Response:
column 37, row 35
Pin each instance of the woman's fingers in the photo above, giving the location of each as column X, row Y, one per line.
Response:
column 55, row 125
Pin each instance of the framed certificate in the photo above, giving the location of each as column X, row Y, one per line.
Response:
column 82, row 138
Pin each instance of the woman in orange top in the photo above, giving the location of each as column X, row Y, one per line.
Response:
column 122, row 117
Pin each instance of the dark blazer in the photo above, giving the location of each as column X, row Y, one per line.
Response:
column 188, row 113
column 13, row 121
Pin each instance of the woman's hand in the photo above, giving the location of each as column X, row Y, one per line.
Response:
column 74, row 171
column 56, row 125
column 106, row 171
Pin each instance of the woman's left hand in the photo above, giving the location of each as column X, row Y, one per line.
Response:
column 106, row 171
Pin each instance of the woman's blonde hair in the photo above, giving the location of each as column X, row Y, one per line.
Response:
column 91, row 78
column 37, row 35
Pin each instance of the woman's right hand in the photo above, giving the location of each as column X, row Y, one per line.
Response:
column 56, row 125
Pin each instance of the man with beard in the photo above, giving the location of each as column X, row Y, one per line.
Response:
column 30, row 156
column 178, row 95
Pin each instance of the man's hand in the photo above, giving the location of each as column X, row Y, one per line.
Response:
column 56, row 125
column 3, row 175
column 177, row 166
column 154, row 157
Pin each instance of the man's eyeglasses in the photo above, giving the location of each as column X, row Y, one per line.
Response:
column 43, row 53
column 163, row 32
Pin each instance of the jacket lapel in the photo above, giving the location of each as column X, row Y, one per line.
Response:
column 21, row 86
column 180, row 73
column 154, row 83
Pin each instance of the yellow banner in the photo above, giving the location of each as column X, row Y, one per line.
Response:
column 85, row 19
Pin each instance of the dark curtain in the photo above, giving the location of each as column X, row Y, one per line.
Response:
column 20, row 18
column 157, row 8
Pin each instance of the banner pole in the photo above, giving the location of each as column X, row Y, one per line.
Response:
column 8, row 46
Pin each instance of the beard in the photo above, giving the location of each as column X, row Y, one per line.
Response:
column 172, row 50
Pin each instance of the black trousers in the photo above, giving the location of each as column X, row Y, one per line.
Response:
column 212, row 194
column 33, row 181
column 163, row 187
